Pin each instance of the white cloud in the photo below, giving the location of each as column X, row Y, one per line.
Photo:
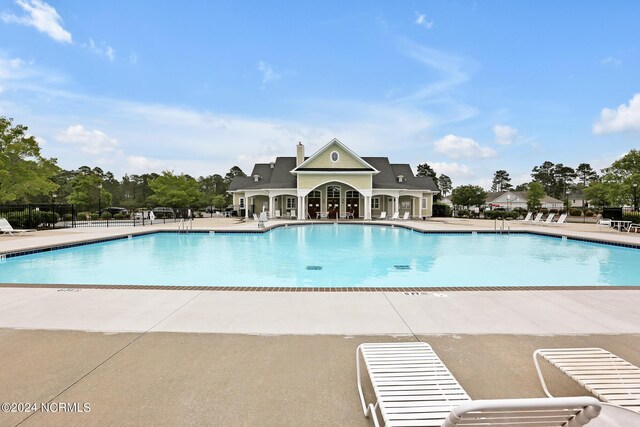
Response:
column 102, row 49
column 421, row 19
column 268, row 75
column 141, row 164
column 458, row 147
column 504, row 134
column 42, row 17
column 610, row 60
column 90, row 142
column 451, row 169
column 624, row 118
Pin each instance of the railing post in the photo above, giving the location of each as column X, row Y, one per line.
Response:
column 29, row 217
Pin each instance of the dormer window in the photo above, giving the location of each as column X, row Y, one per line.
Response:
column 256, row 178
column 335, row 156
column 400, row 178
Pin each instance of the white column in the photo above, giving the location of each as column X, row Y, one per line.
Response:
column 300, row 207
column 246, row 207
column 395, row 205
column 271, row 206
column 367, row 207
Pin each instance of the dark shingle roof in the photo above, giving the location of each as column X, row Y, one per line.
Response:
column 280, row 176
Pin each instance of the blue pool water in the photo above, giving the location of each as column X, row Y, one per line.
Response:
column 331, row 255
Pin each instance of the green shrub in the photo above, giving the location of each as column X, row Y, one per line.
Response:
column 545, row 211
column 631, row 216
column 441, row 210
column 588, row 213
column 553, row 211
column 462, row 213
column 120, row 216
column 575, row 212
column 105, row 215
column 94, row 216
column 67, row 217
column 501, row 215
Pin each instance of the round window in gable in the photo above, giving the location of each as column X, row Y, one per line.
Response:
column 334, row 156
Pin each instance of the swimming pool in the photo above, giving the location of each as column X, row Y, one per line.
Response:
column 331, row 256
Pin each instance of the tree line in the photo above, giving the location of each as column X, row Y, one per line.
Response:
column 27, row 177
column 616, row 185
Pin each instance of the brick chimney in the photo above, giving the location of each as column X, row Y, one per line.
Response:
column 299, row 154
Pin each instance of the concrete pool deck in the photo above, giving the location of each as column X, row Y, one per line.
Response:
column 230, row 358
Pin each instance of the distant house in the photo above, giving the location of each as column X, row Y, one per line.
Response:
column 509, row 200
column 333, row 182
column 577, row 200
column 446, row 200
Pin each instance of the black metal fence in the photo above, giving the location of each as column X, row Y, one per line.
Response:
column 51, row 216
column 38, row 216
column 625, row 213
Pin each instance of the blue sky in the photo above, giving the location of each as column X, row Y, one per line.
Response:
column 197, row 87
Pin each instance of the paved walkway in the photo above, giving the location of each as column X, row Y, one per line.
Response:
column 352, row 313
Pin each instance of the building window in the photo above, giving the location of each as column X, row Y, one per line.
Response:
column 333, row 191
column 375, row 203
column 335, row 156
column 291, row 202
column 406, row 204
column 352, row 194
column 241, row 203
column 424, row 203
column 315, row 193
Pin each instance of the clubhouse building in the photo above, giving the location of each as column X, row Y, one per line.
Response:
column 332, row 183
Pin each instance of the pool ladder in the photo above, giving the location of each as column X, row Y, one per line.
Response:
column 185, row 226
column 501, row 227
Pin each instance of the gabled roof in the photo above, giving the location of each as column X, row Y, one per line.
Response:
column 283, row 173
column 305, row 165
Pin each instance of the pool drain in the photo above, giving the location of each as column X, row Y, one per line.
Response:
column 402, row 267
column 314, row 267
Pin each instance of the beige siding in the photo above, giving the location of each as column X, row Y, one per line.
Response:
column 311, row 181
column 429, row 209
column 236, row 199
column 323, row 160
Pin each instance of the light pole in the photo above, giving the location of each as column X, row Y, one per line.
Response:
column 99, row 200
column 508, row 200
column 53, row 210
column 567, row 205
column 635, row 196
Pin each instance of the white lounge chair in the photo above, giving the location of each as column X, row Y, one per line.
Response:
column 634, row 227
column 549, row 219
column 406, row 216
column 293, row 215
column 527, row 218
column 562, row 220
column 537, row 219
column 7, row 228
column 414, row 388
column 277, row 214
column 383, row 215
column 395, row 216
column 606, row 223
column 255, row 217
column 608, row 377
